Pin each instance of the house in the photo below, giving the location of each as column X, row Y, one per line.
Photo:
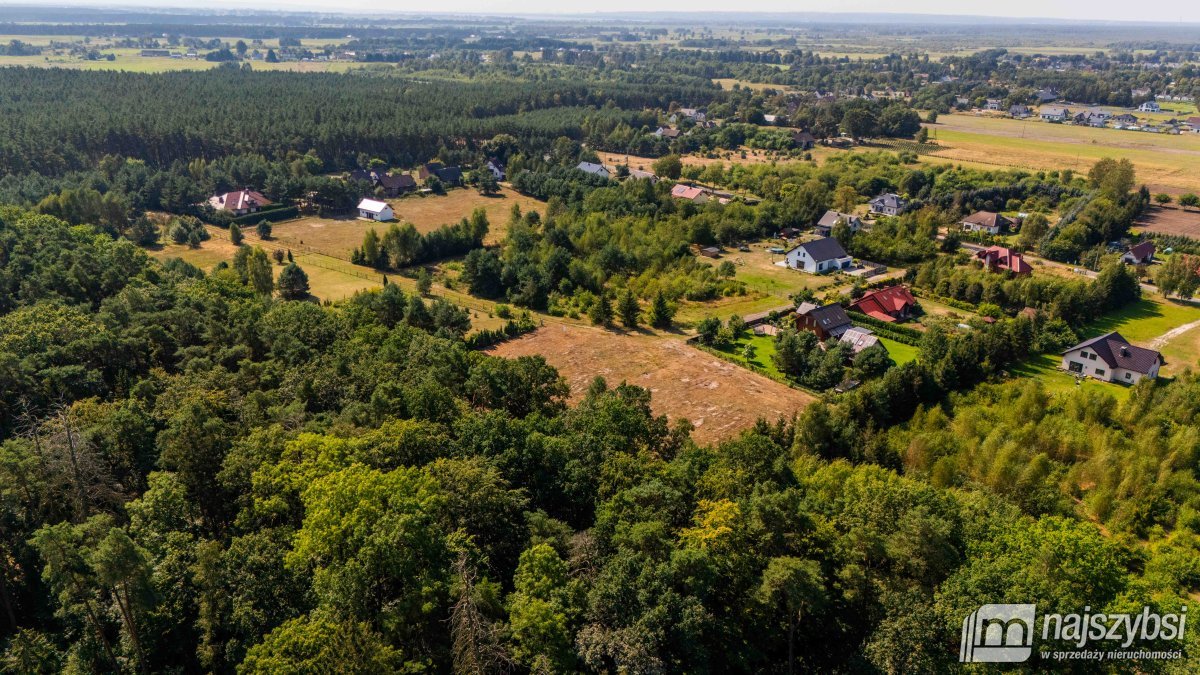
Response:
column 239, row 202
column 986, row 221
column 888, row 204
column 1091, row 118
column 994, row 104
column 156, row 52
column 1139, row 254
column 1046, row 96
column 1001, row 259
column 429, row 169
column 694, row 114
column 804, row 140
column 394, row 185
column 1111, row 358
column 962, row 101
column 770, row 119
column 860, row 338
column 826, row 322
column 371, row 209
column 450, row 175
column 710, row 252
column 824, row 226
column 894, row 303
column 594, row 169
column 639, row 174
column 692, row 194
column 1193, row 123
column 1125, row 120
column 789, row 232
column 1150, row 107
column 667, row 132
column 1055, row 113
column 1020, row 111
column 495, row 167
column 819, row 256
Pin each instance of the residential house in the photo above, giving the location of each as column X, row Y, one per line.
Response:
column 860, row 338
column 824, row 226
column 710, row 252
column 894, row 303
column 1111, row 358
column 789, row 232
column 994, row 104
column 1001, row 259
column 1193, row 123
column 986, row 221
column 804, row 140
column 594, row 169
column 667, row 132
column 888, row 204
column 371, row 209
column 1046, row 96
column 1150, row 107
column 639, row 174
column 450, row 175
column 496, row 167
column 771, row 119
column 1020, row 111
column 962, row 101
column 826, row 322
column 1125, row 120
column 693, row 114
column 1091, row 118
column 239, row 202
column 819, row 256
column 692, row 194
column 1139, row 254
column 1054, row 113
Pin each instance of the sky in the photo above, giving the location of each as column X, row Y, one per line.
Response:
column 1110, row 10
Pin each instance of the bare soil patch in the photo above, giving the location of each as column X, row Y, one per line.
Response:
column 1171, row 221
column 719, row 398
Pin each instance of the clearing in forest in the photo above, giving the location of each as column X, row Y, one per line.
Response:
column 720, row 398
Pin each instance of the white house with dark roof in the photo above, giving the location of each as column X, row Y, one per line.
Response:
column 1111, row 358
column 819, row 256
column 888, row 204
column 825, row 225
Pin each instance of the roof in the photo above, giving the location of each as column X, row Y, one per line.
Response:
column 803, row 137
column 1142, row 250
column 1055, row 110
column 831, row 217
column 827, row 317
column 889, row 200
column 449, row 174
column 682, row 191
column 593, row 168
column 885, row 302
column 987, row 219
column 640, row 174
column 1118, row 353
column 859, row 338
column 1005, row 259
column 372, row 205
column 823, row 249
column 397, row 182
column 239, row 200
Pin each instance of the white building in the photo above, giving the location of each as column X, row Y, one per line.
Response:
column 1111, row 358
column 375, row 210
column 1149, row 106
column 819, row 256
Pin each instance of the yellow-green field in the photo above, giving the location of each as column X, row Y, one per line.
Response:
column 1162, row 161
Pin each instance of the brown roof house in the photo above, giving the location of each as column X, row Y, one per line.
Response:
column 886, row 304
column 1001, row 259
column 1111, row 358
column 239, row 202
column 986, row 221
column 1140, row 254
column 827, row 322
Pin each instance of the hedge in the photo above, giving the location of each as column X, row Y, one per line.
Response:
column 903, row 334
column 512, row 328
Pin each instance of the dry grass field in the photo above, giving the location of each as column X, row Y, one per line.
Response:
column 720, row 398
column 1164, row 162
column 1171, row 221
column 339, row 236
column 643, row 163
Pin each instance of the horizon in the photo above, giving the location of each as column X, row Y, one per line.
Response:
column 850, row 11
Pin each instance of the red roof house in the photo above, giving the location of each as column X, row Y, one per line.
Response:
column 689, row 193
column 1001, row 259
column 886, row 304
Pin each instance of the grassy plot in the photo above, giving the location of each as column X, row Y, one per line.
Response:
column 900, row 352
column 764, row 353
column 1161, row 160
column 1045, row 368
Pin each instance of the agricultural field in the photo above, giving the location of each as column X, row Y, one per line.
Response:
column 1170, row 221
column 1165, row 163
column 719, row 398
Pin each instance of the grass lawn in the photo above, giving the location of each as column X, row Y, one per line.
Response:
column 764, row 353
column 1045, row 368
column 900, row 352
column 1145, row 320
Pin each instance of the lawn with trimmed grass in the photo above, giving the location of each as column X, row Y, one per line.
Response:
column 1145, row 320
column 764, row 353
column 900, row 352
column 1044, row 367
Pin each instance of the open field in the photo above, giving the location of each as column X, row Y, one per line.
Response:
column 719, row 398
column 130, row 60
column 1164, row 162
column 1170, row 221
column 643, row 163
column 339, row 236
column 728, row 82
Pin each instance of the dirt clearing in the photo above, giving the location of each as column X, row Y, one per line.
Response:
column 1171, row 221
column 719, row 398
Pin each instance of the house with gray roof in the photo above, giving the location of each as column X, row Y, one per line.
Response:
column 824, row 226
column 888, row 204
column 594, row 169
column 819, row 256
column 1111, row 358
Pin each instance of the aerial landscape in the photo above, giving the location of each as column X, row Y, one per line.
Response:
column 507, row 338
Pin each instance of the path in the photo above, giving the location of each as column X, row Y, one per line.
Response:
column 1161, row 341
